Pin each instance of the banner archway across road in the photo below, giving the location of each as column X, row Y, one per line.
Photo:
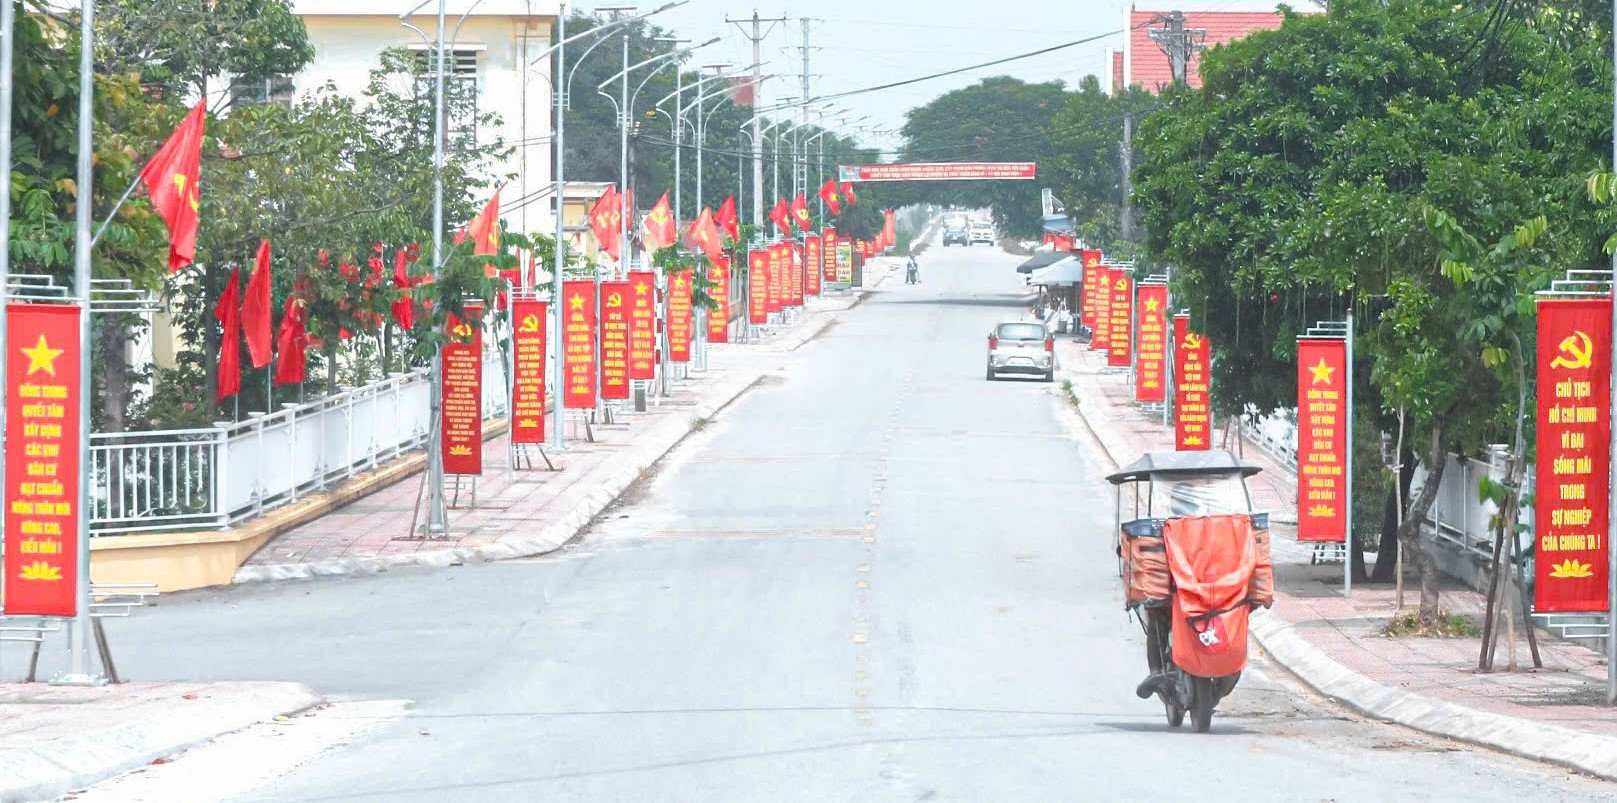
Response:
column 940, row 171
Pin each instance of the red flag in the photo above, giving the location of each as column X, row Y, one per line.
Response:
column 848, row 193
column 172, row 178
column 726, row 217
column 777, row 215
column 485, row 228
column 889, row 231
column 404, row 306
column 258, row 308
column 660, row 227
column 601, row 221
column 704, row 237
column 228, row 312
column 291, row 343
column 832, row 198
column 800, row 213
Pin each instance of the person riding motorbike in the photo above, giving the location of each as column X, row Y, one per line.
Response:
column 912, row 272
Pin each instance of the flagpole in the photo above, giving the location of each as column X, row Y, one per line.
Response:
column 115, row 207
column 8, row 24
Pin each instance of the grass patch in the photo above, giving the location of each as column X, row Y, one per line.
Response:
column 1448, row 625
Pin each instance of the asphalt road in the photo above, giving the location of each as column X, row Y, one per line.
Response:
column 875, row 577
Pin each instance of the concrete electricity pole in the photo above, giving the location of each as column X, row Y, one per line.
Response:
column 1178, row 42
column 754, row 30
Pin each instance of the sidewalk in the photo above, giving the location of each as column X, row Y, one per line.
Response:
column 54, row 739
column 1334, row 644
column 534, row 510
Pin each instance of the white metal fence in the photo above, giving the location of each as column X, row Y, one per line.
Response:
column 214, row 477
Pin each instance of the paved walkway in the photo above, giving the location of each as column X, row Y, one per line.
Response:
column 1566, row 692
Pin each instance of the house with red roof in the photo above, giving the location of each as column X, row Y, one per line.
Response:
column 1143, row 62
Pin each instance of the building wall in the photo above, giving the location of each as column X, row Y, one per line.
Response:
column 1146, row 66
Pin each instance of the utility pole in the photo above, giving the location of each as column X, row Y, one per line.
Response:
column 796, row 166
column 1178, row 42
column 1127, row 221
column 757, row 34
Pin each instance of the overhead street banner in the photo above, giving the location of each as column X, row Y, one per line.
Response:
column 941, row 171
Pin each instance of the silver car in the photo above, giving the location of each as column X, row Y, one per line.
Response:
column 1021, row 347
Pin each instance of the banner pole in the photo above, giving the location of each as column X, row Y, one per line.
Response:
column 78, row 650
column 8, row 24
column 1347, row 481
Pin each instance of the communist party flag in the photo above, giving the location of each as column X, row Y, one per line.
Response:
column 800, row 213
column 291, row 343
column 257, row 308
column 660, row 230
column 602, row 221
column 778, row 216
column 485, row 228
column 172, row 178
column 829, row 194
column 848, row 193
column 404, row 307
column 229, row 314
column 726, row 218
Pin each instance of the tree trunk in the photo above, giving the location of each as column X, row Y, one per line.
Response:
column 331, row 370
column 1409, row 536
column 1387, row 551
column 113, row 337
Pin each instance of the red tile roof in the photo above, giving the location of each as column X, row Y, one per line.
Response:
column 1148, row 66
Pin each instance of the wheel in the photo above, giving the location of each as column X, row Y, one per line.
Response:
column 1050, row 375
column 990, row 376
column 1202, row 698
column 1175, row 711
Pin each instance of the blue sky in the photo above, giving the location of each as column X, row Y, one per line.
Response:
column 860, row 43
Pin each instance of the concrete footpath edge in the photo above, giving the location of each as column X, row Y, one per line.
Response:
column 589, row 497
column 54, row 767
column 1578, row 750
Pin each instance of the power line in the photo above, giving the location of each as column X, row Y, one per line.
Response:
column 958, row 70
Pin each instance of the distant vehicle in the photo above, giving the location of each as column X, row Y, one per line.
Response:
column 956, row 234
column 1021, row 347
column 980, row 233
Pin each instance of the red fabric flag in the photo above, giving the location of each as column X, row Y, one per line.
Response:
column 778, row 215
column 601, row 222
column 172, row 178
column 257, row 310
column 404, row 306
column 800, row 213
column 832, row 198
column 848, row 193
column 228, row 311
column 726, row 217
column 889, row 230
column 291, row 344
column 660, row 228
column 485, row 228
column 704, row 237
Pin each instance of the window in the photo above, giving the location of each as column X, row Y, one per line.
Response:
column 247, row 91
column 1021, row 331
column 460, row 88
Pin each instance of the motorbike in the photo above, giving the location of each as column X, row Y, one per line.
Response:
column 1194, row 560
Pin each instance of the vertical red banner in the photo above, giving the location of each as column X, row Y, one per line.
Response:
column 718, row 289
column 1322, row 481
column 42, row 493
column 828, row 255
column 794, row 282
column 1150, row 369
column 578, row 343
column 643, row 325
column 1091, row 260
column 1120, row 340
column 615, row 302
column 1192, row 419
column 1101, row 297
column 1573, row 466
column 528, row 370
column 777, row 278
column 462, row 425
column 679, row 316
column 758, row 286
column 813, row 264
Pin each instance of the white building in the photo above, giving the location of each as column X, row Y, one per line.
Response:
column 492, row 48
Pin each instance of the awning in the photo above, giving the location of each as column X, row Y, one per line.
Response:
column 1204, row 462
column 1067, row 271
column 1059, row 224
column 1042, row 259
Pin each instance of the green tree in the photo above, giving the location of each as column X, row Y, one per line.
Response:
column 1087, row 165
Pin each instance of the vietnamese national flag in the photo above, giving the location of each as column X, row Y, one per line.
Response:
column 228, row 312
column 604, row 217
column 172, row 178
column 800, row 213
column 832, row 199
column 485, row 228
column 778, row 215
column 291, row 344
column 848, row 193
column 257, row 308
column 660, row 228
column 726, row 218
column 704, row 237
column 404, row 307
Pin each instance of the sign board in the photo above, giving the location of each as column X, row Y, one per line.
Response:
column 1150, row 367
column 528, row 349
column 462, row 425
column 615, row 303
column 1119, row 341
column 1322, row 482
column 940, row 171
column 643, row 325
column 1192, row 419
column 679, row 316
column 578, row 343
column 758, row 286
column 718, row 289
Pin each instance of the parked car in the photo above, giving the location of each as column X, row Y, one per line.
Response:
column 955, row 235
column 1021, row 347
column 980, row 233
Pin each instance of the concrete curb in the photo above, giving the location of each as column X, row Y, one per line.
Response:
column 1579, row 750
column 589, row 497
column 52, row 768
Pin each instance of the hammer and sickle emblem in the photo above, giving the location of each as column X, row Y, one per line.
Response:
column 1577, row 351
column 1193, row 340
column 462, row 330
column 614, row 301
column 530, row 324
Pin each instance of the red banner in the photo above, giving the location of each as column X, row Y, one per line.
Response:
column 1573, row 467
column 939, row 171
column 777, row 278
column 643, row 325
column 1091, row 260
column 794, row 279
column 718, row 289
column 1322, row 447
column 1192, row 418
column 843, row 257
column 42, row 477
column 615, row 302
column 578, row 344
column 679, row 316
column 1150, row 369
column 1119, row 340
column 828, row 255
column 813, row 264
column 1101, row 297
column 758, row 286
column 462, row 426
column 528, row 369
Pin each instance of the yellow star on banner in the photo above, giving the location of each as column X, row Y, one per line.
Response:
column 1151, row 305
column 1322, row 372
column 577, row 302
column 640, row 289
column 42, row 357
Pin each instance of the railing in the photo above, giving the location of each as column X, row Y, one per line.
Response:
column 215, row 477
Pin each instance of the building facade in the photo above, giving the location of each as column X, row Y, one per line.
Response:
column 1143, row 60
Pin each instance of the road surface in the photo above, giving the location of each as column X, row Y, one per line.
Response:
column 875, row 577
